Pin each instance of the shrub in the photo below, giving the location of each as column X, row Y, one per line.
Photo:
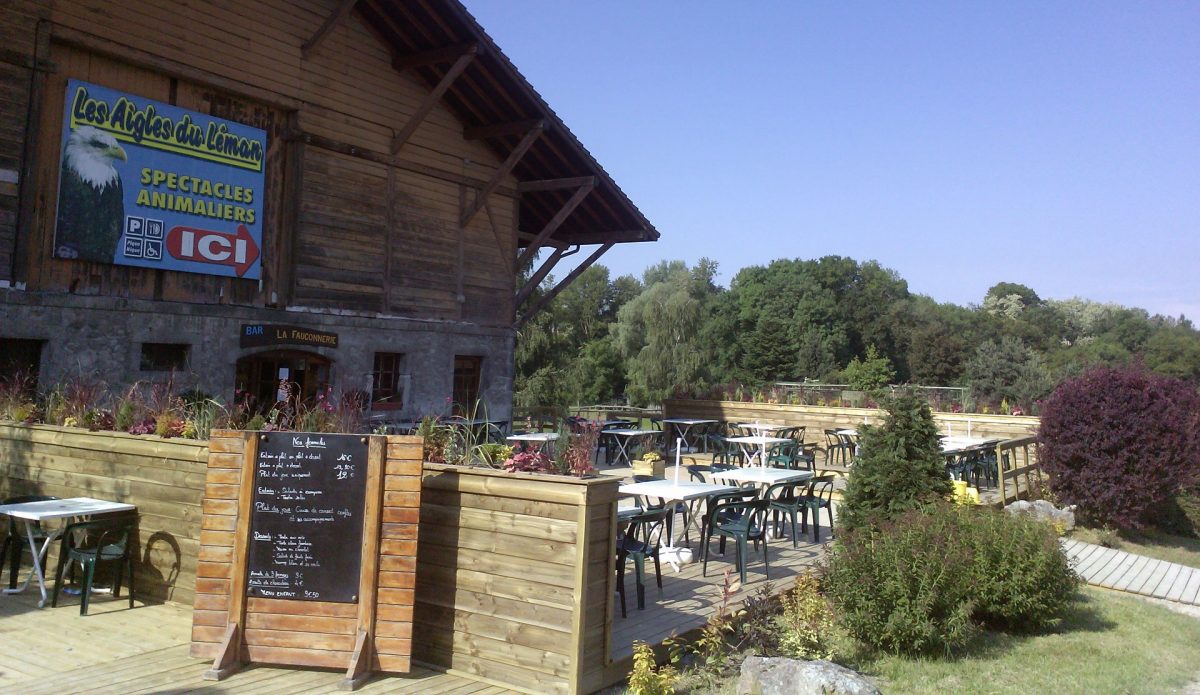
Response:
column 805, row 628
column 923, row 582
column 645, row 679
column 900, row 466
column 905, row 586
column 1120, row 443
column 1019, row 575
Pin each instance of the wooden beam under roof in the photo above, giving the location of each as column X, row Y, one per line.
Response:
column 541, row 273
column 553, row 291
column 513, row 157
column 555, row 184
column 480, row 132
column 339, row 13
column 567, row 208
column 432, row 98
column 445, row 54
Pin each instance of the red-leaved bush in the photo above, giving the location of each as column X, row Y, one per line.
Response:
column 1120, row 442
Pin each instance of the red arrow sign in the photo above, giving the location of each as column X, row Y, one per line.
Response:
column 206, row 246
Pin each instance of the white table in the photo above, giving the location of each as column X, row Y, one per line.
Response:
column 760, row 427
column 762, row 476
column 683, row 426
column 951, row 445
column 672, row 492
column 759, row 441
column 545, row 440
column 624, row 437
column 35, row 512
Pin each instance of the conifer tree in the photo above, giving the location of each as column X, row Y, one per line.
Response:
column 899, row 466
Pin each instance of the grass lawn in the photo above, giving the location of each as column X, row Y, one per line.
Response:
column 1152, row 543
column 1107, row 644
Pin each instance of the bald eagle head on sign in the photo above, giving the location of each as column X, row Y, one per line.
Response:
column 91, row 207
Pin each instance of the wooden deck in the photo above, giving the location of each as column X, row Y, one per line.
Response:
column 688, row 598
column 1135, row 574
column 145, row 650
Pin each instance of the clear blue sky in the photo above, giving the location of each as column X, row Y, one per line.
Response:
column 959, row 143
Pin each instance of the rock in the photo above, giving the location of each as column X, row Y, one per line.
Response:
column 779, row 676
column 1062, row 519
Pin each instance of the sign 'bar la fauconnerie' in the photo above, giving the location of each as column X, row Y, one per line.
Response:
column 149, row 184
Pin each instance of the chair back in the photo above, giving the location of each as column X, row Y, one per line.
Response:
column 782, row 455
column 820, row 490
column 106, row 537
column 648, row 526
column 741, row 515
column 832, row 439
column 788, row 491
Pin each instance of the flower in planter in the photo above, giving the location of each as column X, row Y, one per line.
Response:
column 651, row 457
column 529, row 462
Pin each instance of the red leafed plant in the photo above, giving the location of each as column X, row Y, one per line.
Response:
column 529, row 462
column 1120, row 442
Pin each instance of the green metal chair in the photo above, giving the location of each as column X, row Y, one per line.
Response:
column 92, row 542
column 641, row 541
column 788, row 499
column 744, row 521
column 818, row 496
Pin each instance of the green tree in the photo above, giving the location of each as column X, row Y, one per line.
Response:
column 659, row 331
column 900, row 466
column 872, row 373
column 1007, row 370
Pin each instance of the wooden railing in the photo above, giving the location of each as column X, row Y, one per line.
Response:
column 1016, row 461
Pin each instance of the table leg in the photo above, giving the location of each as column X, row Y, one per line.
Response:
column 621, row 453
column 37, row 570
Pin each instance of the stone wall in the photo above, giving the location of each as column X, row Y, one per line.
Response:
column 100, row 337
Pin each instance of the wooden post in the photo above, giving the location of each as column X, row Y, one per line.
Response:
column 229, row 659
column 361, row 668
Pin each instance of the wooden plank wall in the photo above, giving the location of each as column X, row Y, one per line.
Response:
column 164, row 478
column 315, row 633
column 348, row 95
column 817, row 418
column 515, row 576
column 18, row 37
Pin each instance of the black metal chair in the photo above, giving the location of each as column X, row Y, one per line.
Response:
column 17, row 540
column 93, row 542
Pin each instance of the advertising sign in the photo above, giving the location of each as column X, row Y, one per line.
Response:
column 148, row 184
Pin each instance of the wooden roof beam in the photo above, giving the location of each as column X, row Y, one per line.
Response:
column 433, row 56
column 553, row 291
column 481, row 132
column 504, row 170
column 536, row 279
column 433, row 97
column 567, row 208
column 555, row 184
column 339, row 13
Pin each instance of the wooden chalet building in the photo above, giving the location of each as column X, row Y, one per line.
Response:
column 336, row 192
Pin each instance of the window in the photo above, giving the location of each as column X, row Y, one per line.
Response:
column 388, row 381
column 20, row 361
column 466, row 383
column 164, row 357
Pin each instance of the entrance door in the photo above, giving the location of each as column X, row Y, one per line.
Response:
column 259, row 375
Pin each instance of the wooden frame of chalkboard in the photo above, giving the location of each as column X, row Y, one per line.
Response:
column 309, row 511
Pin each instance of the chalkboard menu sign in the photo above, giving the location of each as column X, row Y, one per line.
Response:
column 306, row 523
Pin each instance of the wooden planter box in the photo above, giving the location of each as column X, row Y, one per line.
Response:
column 818, row 418
column 515, row 572
column 163, row 477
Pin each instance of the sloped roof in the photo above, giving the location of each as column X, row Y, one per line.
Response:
column 491, row 91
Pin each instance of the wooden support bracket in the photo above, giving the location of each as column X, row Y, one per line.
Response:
column 553, row 292
column 536, row 279
column 513, row 157
column 228, row 660
column 360, row 670
column 326, row 28
column 554, row 223
column 555, row 184
column 432, row 98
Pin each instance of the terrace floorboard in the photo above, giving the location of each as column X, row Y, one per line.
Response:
column 113, row 649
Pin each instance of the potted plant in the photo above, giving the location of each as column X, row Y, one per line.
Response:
column 651, row 463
